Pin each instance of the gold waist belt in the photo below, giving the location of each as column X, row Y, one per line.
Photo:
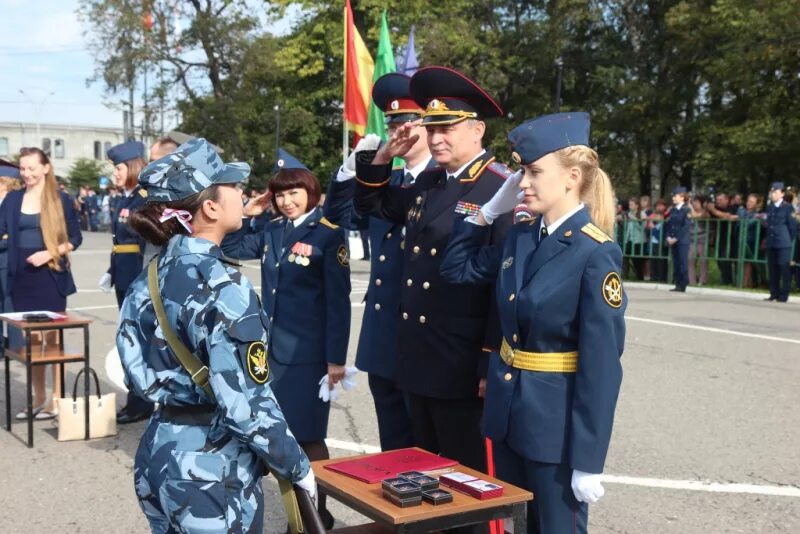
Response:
column 544, row 362
column 126, row 249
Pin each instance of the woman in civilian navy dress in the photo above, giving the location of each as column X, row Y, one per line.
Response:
column 552, row 391
column 43, row 228
column 305, row 291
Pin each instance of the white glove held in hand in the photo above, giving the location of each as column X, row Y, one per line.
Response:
column 309, row 483
column 506, row 199
column 587, row 487
column 348, row 170
column 105, row 283
column 348, row 382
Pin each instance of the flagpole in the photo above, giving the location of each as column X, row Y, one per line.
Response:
column 344, row 142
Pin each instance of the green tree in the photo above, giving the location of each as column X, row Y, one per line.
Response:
column 86, row 172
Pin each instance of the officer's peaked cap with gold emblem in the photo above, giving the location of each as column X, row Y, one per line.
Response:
column 450, row 97
column 391, row 95
column 286, row 162
column 538, row 137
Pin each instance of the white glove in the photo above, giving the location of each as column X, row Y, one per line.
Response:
column 309, row 483
column 105, row 283
column 587, row 487
column 505, row 199
column 348, row 170
column 348, row 382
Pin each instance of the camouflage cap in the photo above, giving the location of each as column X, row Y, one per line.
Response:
column 193, row 167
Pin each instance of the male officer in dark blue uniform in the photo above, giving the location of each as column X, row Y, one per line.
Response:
column 781, row 233
column 443, row 344
column 377, row 343
column 7, row 170
column 678, row 238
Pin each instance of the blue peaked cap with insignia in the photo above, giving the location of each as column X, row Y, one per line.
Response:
column 8, row 170
column 286, row 162
column 679, row 190
column 538, row 137
column 778, row 186
column 125, row 152
column 193, row 167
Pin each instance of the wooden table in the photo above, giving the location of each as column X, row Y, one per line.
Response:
column 464, row 510
column 25, row 354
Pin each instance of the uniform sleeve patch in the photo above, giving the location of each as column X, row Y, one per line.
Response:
column 342, row 256
column 257, row 365
column 612, row 290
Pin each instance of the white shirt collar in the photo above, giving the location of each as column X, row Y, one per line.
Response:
column 460, row 170
column 417, row 169
column 298, row 221
column 551, row 228
column 679, row 206
column 778, row 203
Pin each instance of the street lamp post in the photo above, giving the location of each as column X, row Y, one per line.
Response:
column 38, row 110
column 277, row 109
column 560, row 68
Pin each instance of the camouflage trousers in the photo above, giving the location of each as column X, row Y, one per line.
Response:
column 189, row 481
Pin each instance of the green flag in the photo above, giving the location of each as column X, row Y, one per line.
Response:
column 384, row 64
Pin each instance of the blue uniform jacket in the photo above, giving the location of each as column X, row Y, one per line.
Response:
column 561, row 295
column 678, row 224
column 377, row 342
column 126, row 267
column 446, row 331
column 308, row 306
column 9, row 230
column 781, row 226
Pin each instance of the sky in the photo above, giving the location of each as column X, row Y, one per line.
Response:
column 44, row 54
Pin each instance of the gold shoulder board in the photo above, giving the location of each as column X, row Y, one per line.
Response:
column 143, row 193
column 595, row 233
column 326, row 222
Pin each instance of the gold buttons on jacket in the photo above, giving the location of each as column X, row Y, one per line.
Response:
column 377, row 307
column 515, row 338
column 409, row 282
column 416, row 249
column 378, row 281
column 508, row 377
column 433, row 252
column 405, row 316
column 511, row 297
column 402, row 245
column 381, row 258
column 426, row 285
column 422, row 319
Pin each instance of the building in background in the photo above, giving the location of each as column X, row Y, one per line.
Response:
column 64, row 143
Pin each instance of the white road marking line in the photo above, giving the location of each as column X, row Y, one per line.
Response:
column 698, row 485
column 87, row 308
column 715, row 330
column 684, row 485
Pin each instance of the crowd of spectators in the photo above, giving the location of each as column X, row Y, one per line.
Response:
column 726, row 229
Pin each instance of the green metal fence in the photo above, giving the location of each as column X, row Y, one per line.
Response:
column 733, row 250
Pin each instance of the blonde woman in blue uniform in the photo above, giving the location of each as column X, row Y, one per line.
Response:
column 552, row 391
column 305, row 291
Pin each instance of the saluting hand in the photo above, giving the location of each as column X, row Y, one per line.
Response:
column 37, row 259
column 398, row 145
column 335, row 374
column 257, row 205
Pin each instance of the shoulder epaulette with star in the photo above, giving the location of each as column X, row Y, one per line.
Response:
column 500, row 169
column 325, row 222
column 595, row 233
column 143, row 193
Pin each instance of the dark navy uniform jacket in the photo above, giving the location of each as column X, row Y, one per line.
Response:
column 308, row 306
column 9, row 229
column 446, row 330
column 678, row 224
column 781, row 225
column 561, row 295
column 126, row 267
column 377, row 343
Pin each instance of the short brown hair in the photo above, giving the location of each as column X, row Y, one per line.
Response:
column 296, row 178
column 135, row 167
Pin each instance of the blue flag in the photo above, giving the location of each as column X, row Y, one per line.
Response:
column 408, row 64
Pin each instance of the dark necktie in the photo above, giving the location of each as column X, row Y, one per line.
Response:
column 287, row 231
column 408, row 179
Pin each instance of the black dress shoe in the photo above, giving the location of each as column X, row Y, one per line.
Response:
column 127, row 418
column 770, row 299
column 678, row 289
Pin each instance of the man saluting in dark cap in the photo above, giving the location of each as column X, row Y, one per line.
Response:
column 445, row 329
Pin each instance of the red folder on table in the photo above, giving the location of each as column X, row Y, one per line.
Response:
column 376, row 467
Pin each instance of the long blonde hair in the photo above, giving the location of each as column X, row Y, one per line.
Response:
column 596, row 190
column 54, row 227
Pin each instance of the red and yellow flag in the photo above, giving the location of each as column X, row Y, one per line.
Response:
column 358, row 70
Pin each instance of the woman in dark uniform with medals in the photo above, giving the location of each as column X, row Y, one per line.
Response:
column 127, row 251
column 305, row 291
column 552, row 390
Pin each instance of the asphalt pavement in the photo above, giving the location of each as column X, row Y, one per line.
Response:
column 705, row 440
